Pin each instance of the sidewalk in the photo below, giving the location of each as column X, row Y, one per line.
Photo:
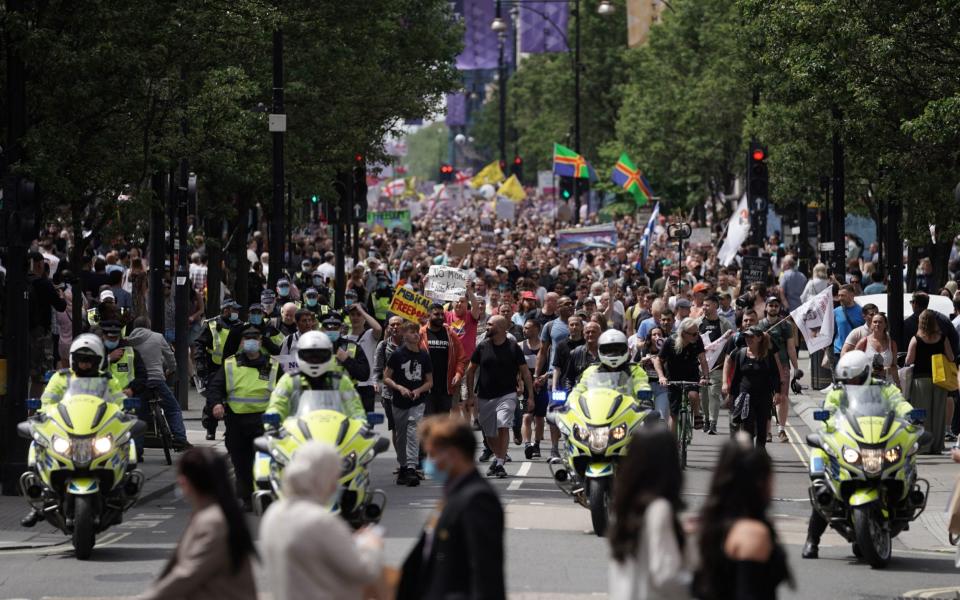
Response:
column 160, row 479
column 929, row 532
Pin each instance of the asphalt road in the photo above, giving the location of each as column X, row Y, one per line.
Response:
column 551, row 550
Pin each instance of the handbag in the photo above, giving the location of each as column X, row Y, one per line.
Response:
column 944, row 372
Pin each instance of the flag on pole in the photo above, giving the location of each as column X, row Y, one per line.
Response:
column 648, row 231
column 567, row 163
column 512, row 189
column 715, row 348
column 629, row 177
column 737, row 231
column 491, row 174
column 814, row 319
column 397, row 187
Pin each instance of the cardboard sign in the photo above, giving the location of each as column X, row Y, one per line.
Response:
column 488, row 238
column 410, row 305
column 288, row 362
column 387, row 220
column 700, row 236
column 460, row 249
column 754, row 270
column 581, row 239
column 446, row 284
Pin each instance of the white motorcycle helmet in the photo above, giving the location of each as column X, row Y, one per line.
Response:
column 853, row 368
column 314, row 354
column 90, row 347
column 613, row 349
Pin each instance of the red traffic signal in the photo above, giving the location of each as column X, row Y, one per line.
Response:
column 758, row 154
column 358, row 157
column 517, row 160
column 446, row 169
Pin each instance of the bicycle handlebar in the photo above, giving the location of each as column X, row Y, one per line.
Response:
column 679, row 382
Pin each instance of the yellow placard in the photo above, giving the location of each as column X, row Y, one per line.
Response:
column 410, row 305
column 944, row 372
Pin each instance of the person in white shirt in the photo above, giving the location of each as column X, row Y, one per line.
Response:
column 651, row 558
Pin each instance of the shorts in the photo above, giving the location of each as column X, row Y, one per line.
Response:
column 541, row 399
column 676, row 395
column 438, row 403
column 496, row 413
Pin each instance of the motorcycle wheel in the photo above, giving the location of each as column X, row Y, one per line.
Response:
column 83, row 528
column 600, row 505
column 873, row 539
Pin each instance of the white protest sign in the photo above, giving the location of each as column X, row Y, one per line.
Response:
column 288, row 362
column 814, row 319
column 700, row 236
column 506, row 209
column 715, row 348
column 446, row 283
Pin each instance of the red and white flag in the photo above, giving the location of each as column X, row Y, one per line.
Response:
column 814, row 319
column 715, row 348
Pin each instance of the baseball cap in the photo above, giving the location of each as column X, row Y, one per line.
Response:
column 267, row 296
column 700, row 288
column 311, row 292
column 682, row 303
column 773, row 299
column 251, row 332
column 107, row 295
column 283, row 281
column 110, row 327
column 256, row 306
column 333, row 318
column 528, row 296
column 753, row 331
column 228, row 303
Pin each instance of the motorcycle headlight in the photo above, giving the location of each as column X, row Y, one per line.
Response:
column 102, row 445
column 892, row 455
column 599, row 438
column 851, row 455
column 581, row 433
column 348, row 463
column 81, row 452
column 872, row 459
column 60, row 445
column 619, row 432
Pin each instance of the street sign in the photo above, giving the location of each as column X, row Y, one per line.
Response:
column 359, row 209
column 754, row 270
column 827, row 246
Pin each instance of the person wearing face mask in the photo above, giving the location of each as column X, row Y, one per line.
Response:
column 272, row 338
column 306, row 547
column 209, row 347
column 311, row 302
column 349, row 354
column 378, row 302
column 285, row 292
column 460, row 552
column 271, row 310
column 238, row 394
column 126, row 367
column 302, row 278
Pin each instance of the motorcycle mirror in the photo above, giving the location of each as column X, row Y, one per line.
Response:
column 821, row 415
column 644, row 395
column 917, row 415
column 375, row 418
column 131, row 404
column 271, row 420
column 33, row 403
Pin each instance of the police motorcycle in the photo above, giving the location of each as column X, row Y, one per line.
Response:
column 863, row 466
column 82, row 459
column 596, row 426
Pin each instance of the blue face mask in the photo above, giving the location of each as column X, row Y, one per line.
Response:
column 347, row 302
column 333, row 335
column 283, row 290
column 317, row 281
column 256, row 318
column 431, row 471
column 111, row 344
column 311, row 301
column 251, row 346
column 234, row 316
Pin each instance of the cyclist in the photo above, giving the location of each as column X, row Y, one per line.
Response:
column 853, row 368
column 317, row 370
column 614, row 357
column 683, row 358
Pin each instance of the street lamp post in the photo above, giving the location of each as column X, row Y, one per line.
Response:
column 499, row 26
column 278, row 125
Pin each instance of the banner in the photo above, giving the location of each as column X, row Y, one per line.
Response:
column 700, row 236
column 387, row 220
column 814, row 319
column 753, row 269
column 410, row 305
column 288, row 362
column 715, row 348
column 446, row 284
column 737, row 231
column 584, row 238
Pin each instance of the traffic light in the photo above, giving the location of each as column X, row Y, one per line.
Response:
column 566, row 188
column 446, row 173
column 517, row 167
column 314, row 199
column 359, row 208
column 758, row 190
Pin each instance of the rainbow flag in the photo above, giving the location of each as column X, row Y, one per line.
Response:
column 629, row 177
column 567, row 163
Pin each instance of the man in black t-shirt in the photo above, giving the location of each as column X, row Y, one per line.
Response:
column 713, row 326
column 683, row 358
column 409, row 374
column 441, row 342
column 499, row 362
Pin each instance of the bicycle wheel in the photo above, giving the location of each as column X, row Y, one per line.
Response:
column 685, row 426
column 163, row 432
column 688, row 432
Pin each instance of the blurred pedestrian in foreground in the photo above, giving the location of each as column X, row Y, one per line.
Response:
column 739, row 554
column 212, row 560
column 460, row 553
column 649, row 550
column 308, row 550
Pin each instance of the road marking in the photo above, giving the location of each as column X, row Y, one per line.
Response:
column 930, row 593
column 521, row 472
column 514, row 485
column 792, row 436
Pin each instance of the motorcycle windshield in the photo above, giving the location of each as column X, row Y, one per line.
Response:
column 86, row 386
column 866, row 401
column 313, row 400
column 615, row 380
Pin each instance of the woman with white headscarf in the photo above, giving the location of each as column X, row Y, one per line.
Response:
column 309, row 551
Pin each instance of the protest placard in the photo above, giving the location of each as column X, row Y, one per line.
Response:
column 753, row 270
column 410, row 305
column 506, row 209
column 700, row 236
column 460, row 249
column 288, row 362
column 584, row 238
column 446, row 284
column 387, row 220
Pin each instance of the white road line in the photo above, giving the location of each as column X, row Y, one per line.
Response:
column 524, row 469
column 514, row 485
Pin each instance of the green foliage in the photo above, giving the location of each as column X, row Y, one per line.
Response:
column 427, row 150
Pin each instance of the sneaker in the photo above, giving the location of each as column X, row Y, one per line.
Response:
column 554, row 453
column 713, row 429
column 501, row 472
column 492, row 470
column 950, row 437
column 706, row 425
column 181, row 444
column 507, row 459
column 211, row 435
column 769, row 436
column 528, row 451
column 403, row 477
column 414, row 480
column 536, row 451
column 782, row 436
column 698, row 421
column 486, row 454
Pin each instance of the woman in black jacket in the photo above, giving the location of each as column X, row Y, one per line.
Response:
column 754, row 385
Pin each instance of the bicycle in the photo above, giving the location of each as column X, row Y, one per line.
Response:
column 158, row 434
column 685, row 418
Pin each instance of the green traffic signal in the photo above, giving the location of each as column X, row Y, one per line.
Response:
column 314, row 199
